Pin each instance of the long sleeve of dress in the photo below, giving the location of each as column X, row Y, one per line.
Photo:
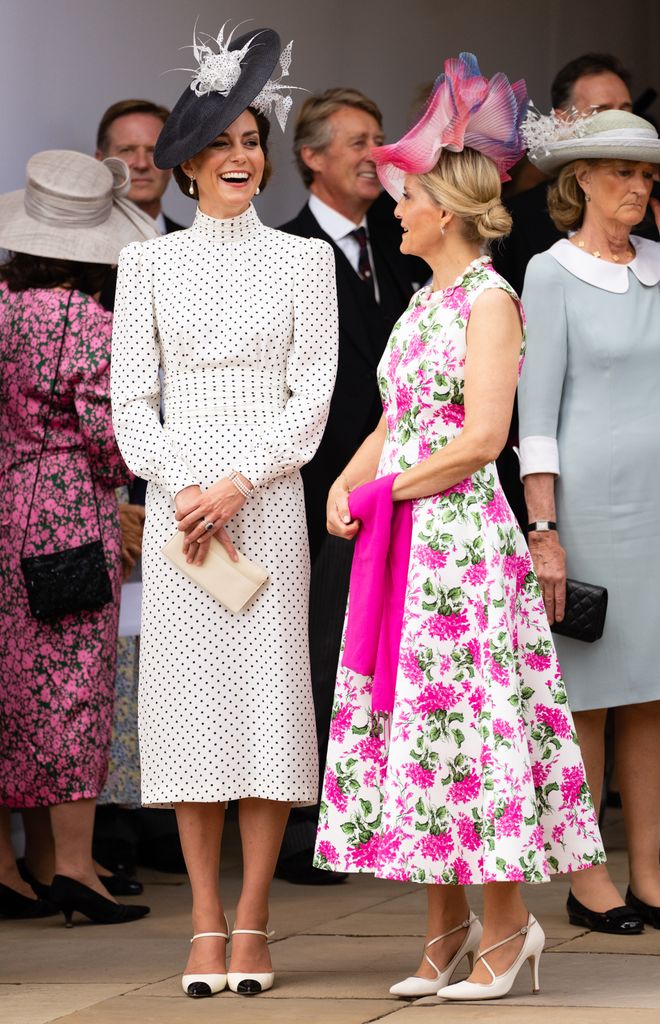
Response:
column 542, row 379
column 294, row 436
column 91, row 396
column 143, row 442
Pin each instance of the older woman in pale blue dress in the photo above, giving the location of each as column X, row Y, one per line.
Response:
column 590, row 455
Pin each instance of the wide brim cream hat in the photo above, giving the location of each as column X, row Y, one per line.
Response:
column 555, row 141
column 73, row 207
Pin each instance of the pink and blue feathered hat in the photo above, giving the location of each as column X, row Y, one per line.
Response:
column 464, row 110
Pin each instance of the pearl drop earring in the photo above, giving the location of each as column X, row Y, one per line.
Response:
column 257, row 191
column 191, row 187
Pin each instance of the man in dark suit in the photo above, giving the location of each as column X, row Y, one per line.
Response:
column 335, row 133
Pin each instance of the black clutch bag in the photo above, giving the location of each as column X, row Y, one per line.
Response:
column 69, row 581
column 584, row 618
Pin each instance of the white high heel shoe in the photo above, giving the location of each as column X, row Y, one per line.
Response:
column 248, row 983
column 502, row 983
column 199, row 986
column 416, row 986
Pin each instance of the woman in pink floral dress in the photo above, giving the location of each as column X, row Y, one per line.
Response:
column 478, row 777
column 57, row 676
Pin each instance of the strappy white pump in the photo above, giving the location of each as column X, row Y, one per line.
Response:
column 416, row 986
column 199, row 986
column 502, row 984
column 247, row 983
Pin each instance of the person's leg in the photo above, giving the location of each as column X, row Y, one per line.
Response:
column 200, row 830
column 504, row 914
column 9, row 875
column 593, row 887
column 637, row 753
column 73, row 826
column 262, row 824
column 39, row 843
column 447, row 907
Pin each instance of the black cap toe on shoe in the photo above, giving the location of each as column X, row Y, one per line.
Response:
column 248, row 987
column 198, row 990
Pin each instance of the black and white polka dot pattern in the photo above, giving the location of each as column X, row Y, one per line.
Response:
column 241, row 322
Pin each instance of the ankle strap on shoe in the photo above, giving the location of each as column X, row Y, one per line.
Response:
column 463, row 924
column 252, row 931
column 204, row 935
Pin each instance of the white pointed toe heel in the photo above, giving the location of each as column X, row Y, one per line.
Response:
column 502, row 984
column 416, row 986
column 248, row 983
column 200, row 986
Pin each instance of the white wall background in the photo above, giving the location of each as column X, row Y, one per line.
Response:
column 62, row 62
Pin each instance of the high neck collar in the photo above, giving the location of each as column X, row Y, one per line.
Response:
column 227, row 230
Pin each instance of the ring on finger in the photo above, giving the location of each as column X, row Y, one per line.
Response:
column 208, row 526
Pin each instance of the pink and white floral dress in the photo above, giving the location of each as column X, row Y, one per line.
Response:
column 482, row 779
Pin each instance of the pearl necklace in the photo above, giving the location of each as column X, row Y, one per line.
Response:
column 596, row 252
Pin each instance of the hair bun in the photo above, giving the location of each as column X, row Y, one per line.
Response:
column 494, row 220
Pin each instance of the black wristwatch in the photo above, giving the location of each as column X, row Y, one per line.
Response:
column 542, row 526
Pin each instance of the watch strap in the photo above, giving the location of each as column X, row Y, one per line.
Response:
column 542, row 526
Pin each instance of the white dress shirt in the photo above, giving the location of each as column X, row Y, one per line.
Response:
column 339, row 229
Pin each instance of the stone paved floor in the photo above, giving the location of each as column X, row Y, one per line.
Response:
column 336, row 952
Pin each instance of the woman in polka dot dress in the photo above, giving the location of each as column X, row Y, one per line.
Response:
column 231, row 328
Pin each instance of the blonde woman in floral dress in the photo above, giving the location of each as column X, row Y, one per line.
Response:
column 478, row 778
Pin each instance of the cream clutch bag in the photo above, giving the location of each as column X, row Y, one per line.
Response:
column 231, row 583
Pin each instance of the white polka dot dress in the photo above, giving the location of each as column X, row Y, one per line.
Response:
column 234, row 326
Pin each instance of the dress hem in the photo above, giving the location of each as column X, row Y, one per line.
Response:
column 169, row 804
column 51, row 801
column 396, row 877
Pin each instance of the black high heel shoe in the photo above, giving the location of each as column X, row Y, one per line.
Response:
column 68, row 895
column 117, row 884
column 17, row 906
column 617, row 921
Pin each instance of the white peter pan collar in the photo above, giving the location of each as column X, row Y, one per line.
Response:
column 611, row 277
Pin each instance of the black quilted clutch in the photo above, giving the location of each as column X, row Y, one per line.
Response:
column 584, row 619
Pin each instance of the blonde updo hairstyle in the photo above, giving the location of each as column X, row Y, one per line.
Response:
column 468, row 184
column 566, row 200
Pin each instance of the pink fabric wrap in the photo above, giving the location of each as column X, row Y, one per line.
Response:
column 379, row 577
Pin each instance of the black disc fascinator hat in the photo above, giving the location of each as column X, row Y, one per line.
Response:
column 231, row 76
